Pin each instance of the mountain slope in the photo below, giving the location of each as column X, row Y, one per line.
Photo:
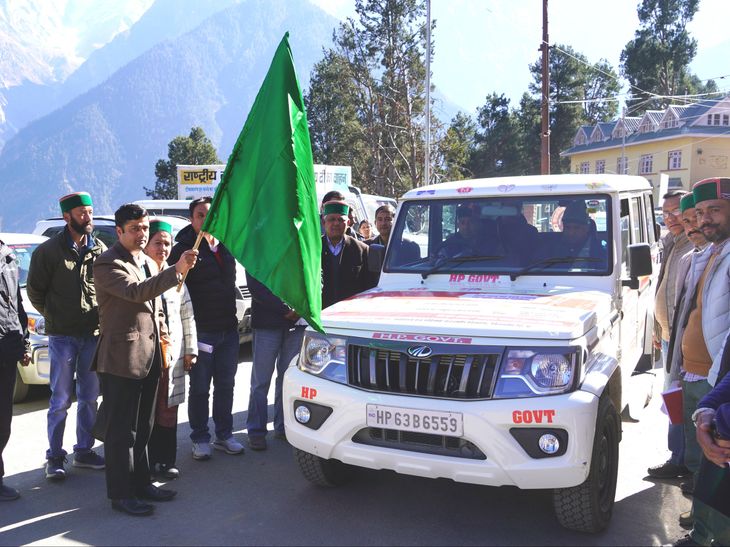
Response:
column 37, row 92
column 107, row 140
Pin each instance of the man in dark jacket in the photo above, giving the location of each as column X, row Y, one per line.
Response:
column 344, row 259
column 61, row 287
column 14, row 347
column 277, row 339
column 212, row 288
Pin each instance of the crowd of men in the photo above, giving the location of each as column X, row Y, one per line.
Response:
column 130, row 322
column 692, row 313
column 133, row 321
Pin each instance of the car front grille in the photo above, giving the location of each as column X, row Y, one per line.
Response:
column 245, row 292
column 424, row 443
column 455, row 376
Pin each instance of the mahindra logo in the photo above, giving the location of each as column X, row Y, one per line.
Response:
column 420, row 352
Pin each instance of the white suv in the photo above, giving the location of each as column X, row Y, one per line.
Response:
column 38, row 371
column 499, row 346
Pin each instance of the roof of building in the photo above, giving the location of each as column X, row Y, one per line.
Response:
column 691, row 122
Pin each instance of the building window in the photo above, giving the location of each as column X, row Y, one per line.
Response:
column 717, row 119
column 674, row 159
column 622, row 166
column 725, row 119
column 709, row 119
column 585, row 167
column 600, row 166
column 646, row 164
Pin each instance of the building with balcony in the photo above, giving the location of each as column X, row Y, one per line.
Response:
column 686, row 142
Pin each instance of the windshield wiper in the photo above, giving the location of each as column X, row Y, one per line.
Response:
column 450, row 261
column 550, row 262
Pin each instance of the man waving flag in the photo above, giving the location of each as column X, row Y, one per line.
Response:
column 265, row 209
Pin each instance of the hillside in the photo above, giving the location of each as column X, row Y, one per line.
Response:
column 107, row 140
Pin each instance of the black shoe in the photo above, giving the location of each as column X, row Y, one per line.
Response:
column 7, row 493
column 55, row 470
column 168, row 471
column 686, row 520
column 153, row 493
column 134, row 507
column 686, row 541
column 257, row 443
column 668, row 470
column 688, row 486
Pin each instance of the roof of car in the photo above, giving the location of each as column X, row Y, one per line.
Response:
column 532, row 185
column 15, row 239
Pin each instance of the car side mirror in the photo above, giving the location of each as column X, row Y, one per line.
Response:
column 375, row 257
column 640, row 264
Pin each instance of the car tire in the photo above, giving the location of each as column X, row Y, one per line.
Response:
column 588, row 506
column 21, row 388
column 328, row 473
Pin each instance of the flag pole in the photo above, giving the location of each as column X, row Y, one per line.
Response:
column 195, row 248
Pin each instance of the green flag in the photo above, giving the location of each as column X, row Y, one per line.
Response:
column 265, row 208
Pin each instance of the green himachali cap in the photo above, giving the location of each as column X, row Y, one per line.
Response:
column 335, row 208
column 160, row 226
column 714, row 188
column 77, row 199
column 687, row 202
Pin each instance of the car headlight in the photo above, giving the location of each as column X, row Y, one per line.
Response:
column 324, row 356
column 36, row 324
column 528, row 372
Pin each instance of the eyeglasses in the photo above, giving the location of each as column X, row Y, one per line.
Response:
column 675, row 213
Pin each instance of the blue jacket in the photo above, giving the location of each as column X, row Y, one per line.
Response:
column 267, row 309
column 720, row 394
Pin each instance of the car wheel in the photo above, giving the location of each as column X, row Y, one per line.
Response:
column 322, row 472
column 21, row 388
column 588, row 506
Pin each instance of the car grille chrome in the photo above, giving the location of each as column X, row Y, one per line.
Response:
column 425, row 443
column 454, row 376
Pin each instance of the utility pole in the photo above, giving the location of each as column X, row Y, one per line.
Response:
column 427, row 151
column 545, row 136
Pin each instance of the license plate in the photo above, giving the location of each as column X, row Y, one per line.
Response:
column 419, row 421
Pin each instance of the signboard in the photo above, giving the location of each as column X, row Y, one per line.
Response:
column 197, row 181
column 333, row 177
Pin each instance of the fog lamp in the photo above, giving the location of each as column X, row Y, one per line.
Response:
column 549, row 443
column 302, row 414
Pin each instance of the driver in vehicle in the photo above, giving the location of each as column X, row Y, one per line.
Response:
column 578, row 238
column 472, row 238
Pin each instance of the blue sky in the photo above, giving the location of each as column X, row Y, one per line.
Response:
column 483, row 46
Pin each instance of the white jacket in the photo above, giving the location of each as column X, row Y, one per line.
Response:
column 183, row 340
column 715, row 304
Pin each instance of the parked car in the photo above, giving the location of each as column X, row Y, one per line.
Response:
column 104, row 229
column 38, row 371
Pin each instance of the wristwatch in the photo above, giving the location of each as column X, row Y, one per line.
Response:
column 696, row 414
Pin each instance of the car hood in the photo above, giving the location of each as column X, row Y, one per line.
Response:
column 446, row 316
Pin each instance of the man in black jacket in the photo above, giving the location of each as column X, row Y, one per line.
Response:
column 13, row 348
column 277, row 339
column 212, row 288
column 344, row 259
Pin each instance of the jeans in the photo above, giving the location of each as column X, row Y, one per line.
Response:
column 220, row 365
column 692, row 392
column 675, row 436
column 271, row 348
column 69, row 355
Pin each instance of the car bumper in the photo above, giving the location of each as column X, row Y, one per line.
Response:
column 487, row 425
column 38, row 370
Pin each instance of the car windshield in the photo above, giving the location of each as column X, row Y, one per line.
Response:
column 553, row 235
column 22, row 253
